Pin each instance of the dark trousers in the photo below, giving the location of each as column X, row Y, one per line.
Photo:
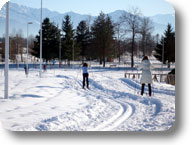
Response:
column 142, row 89
column 85, row 78
column 26, row 70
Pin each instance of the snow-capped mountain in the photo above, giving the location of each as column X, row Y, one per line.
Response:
column 20, row 15
column 164, row 19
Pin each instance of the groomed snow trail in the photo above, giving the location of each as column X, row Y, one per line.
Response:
column 57, row 102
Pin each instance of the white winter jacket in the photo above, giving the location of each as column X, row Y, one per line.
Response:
column 146, row 73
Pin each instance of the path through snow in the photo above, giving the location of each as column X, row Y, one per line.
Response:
column 57, row 102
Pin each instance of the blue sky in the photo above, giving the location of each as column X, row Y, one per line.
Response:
column 93, row 7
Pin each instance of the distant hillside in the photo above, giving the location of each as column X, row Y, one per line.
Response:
column 20, row 15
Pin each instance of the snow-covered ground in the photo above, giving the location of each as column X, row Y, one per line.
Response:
column 57, row 102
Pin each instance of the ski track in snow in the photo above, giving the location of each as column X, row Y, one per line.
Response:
column 124, row 112
column 112, row 104
column 127, row 108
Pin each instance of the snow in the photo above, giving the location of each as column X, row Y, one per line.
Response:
column 57, row 102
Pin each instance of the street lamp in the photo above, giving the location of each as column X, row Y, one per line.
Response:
column 41, row 41
column 27, row 68
column 7, row 53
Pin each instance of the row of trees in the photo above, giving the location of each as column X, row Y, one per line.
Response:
column 17, row 46
column 103, row 41
column 95, row 42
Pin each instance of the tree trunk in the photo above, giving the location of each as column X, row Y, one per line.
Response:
column 103, row 63
column 82, row 59
column 132, row 50
column 68, row 62
column 100, row 62
column 119, row 52
column 104, row 57
column 143, row 44
column 21, row 57
column 169, row 65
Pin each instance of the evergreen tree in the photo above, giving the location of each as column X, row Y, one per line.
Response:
column 82, row 37
column 50, row 41
column 109, row 39
column 68, row 39
column 168, row 42
column 102, row 37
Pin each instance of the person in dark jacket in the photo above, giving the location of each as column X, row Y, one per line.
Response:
column 85, row 75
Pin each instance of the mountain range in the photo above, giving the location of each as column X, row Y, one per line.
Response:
column 20, row 15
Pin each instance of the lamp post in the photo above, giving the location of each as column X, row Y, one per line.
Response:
column 41, row 41
column 27, row 68
column 6, row 95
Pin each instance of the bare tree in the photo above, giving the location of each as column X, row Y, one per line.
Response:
column 31, row 40
column 21, row 43
column 145, row 29
column 13, row 49
column 2, row 49
column 17, row 44
column 119, row 34
column 151, row 44
column 131, row 20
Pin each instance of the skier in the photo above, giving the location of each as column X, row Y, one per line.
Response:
column 146, row 75
column 45, row 67
column 85, row 75
column 53, row 62
column 26, row 70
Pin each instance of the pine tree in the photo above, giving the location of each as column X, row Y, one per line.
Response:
column 68, row 39
column 82, row 37
column 102, row 37
column 109, row 39
column 50, row 41
column 168, row 43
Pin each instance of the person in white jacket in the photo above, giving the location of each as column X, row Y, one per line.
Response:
column 146, row 75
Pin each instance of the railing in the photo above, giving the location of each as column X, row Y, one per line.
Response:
column 168, row 78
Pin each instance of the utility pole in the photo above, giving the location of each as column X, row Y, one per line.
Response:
column 41, row 41
column 6, row 95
